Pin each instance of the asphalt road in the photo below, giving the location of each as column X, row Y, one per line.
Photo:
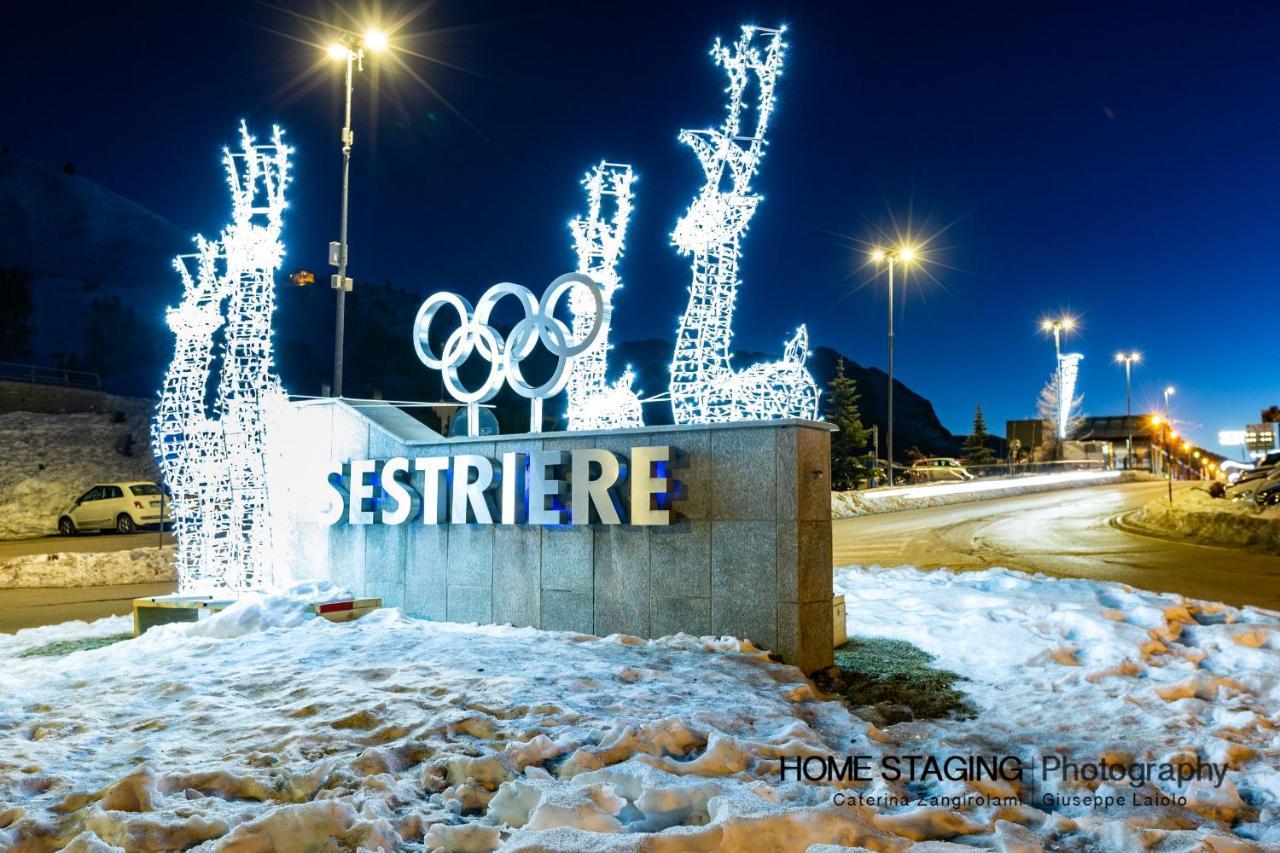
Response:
column 27, row 608
column 1065, row 534
column 79, row 544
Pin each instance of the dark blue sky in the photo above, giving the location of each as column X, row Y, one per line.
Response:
column 1119, row 160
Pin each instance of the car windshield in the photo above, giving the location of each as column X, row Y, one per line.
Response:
column 143, row 489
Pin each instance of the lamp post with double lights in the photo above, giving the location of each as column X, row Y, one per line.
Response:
column 352, row 54
column 891, row 257
column 1128, row 359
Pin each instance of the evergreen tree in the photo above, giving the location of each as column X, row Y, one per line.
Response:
column 976, row 451
column 849, row 460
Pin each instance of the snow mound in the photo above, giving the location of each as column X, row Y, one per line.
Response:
column 262, row 612
column 89, row 568
column 47, row 461
column 263, row 729
column 1212, row 521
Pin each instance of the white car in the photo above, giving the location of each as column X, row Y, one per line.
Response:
column 123, row 507
column 938, row 470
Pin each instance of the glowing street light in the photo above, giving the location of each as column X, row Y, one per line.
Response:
column 1129, row 359
column 353, row 54
column 892, row 256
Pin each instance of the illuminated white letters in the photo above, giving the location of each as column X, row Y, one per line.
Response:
column 543, row 487
column 588, row 492
column 646, row 486
column 404, row 497
column 361, row 490
column 469, row 500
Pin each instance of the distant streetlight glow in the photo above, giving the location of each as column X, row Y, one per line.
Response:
column 338, row 51
column 375, row 40
column 892, row 256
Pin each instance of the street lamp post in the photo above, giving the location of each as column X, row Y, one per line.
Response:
column 902, row 254
column 1168, row 392
column 1058, row 326
column 1128, row 359
column 353, row 55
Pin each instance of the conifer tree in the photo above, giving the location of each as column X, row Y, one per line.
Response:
column 976, row 451
column 849, row 461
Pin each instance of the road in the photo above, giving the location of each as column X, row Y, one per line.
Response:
column 80, row 544
column 27, row 608
column 1065, row 534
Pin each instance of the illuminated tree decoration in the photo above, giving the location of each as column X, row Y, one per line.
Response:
column 704, row 386
column 1068, row 369
column 599, row 241
column 214, row 457
column 1061, row 406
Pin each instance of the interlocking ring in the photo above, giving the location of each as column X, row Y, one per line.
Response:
column 475, row 335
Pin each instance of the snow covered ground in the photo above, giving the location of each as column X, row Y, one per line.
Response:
column 47, row 461
column 1213, row 521
column 88, row 568
column 261, row 730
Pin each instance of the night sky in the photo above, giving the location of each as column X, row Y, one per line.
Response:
column 1117, row 160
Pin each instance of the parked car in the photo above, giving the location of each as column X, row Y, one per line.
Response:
column 1263, row 490
column 123, row 507
column 938, row 470
column 1264, row 467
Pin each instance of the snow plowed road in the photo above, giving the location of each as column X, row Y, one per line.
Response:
column 1063, row 534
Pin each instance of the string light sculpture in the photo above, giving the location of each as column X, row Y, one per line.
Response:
column 704, row 386
column 1068, row 370
column 599, row 242
column 214, row 457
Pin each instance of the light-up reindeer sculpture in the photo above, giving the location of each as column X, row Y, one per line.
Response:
column 214, row 458
column 704, row 386
column 599, row 241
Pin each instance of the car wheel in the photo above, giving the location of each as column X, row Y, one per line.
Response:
column 66, row 526
column 124, row 523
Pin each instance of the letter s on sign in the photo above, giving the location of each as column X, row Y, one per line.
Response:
column 334, row 505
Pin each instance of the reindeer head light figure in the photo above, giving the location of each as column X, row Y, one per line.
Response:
column 704, row 386
column 598, row 239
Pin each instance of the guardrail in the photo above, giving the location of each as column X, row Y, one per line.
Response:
column 36, row 375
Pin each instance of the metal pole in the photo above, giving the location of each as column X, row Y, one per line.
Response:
column 1168, row 450
column 889, row 434
column 1057, row 378
column 340, row 314
column 1128, row 418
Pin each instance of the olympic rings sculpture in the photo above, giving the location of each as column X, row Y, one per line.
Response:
column 474, row 334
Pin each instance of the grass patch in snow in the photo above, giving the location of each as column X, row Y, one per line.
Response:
column 884, row 673
column 66, row 647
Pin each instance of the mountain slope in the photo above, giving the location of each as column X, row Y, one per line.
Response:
column 100, row 272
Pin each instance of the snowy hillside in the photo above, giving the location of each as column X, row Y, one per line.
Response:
column 84, row 245
column 47, row 461
column 261, row 730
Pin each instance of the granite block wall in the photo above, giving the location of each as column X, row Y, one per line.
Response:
column 748, row 552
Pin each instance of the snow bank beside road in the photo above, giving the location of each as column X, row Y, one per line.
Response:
column 389, row 733
column 1211, row 521
column 47, row 461
column 897, row 498
column 89, row 568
